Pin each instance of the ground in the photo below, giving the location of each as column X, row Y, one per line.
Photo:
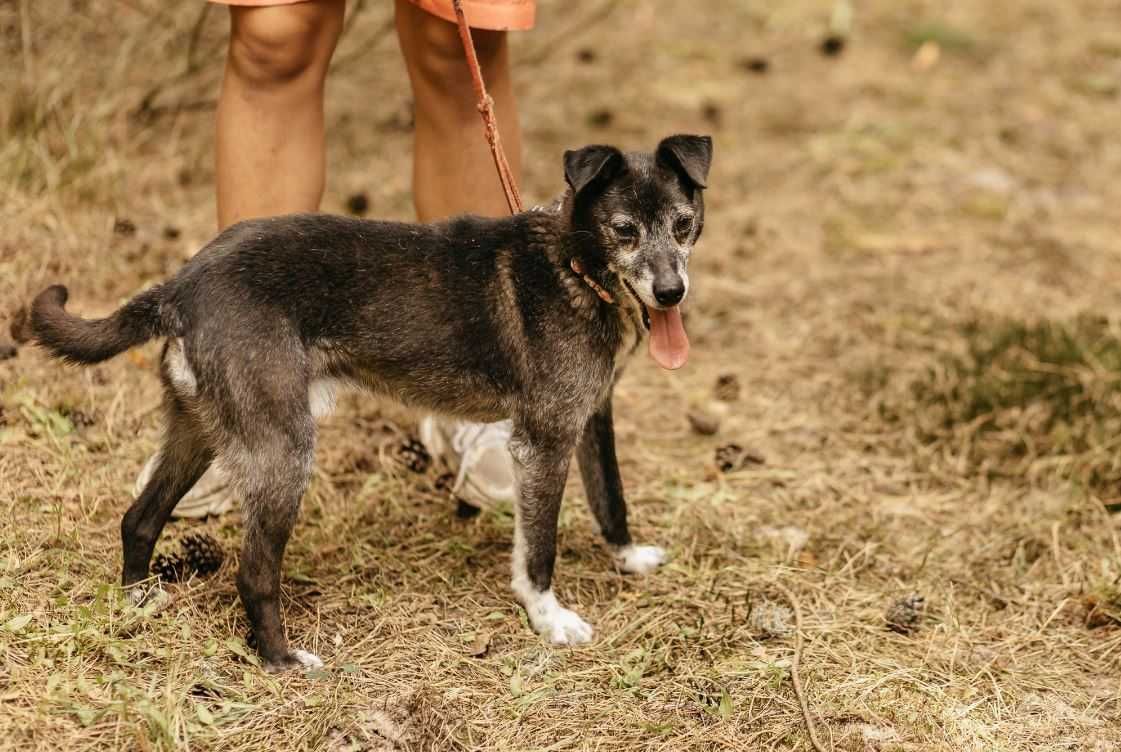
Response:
column 951, row 171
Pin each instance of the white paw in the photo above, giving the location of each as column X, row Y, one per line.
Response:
column 150, row 597
column 301, row 659
column 567, row 628
column 557, row 624
column 640, row 559
column 306, row 659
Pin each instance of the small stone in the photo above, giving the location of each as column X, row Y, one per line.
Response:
column 358, row 204
column 905, row 615
column 171, row 233
column 926, row 56
column 703, row 423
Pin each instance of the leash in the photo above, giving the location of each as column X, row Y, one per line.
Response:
column 486, row 109
column 490, row 127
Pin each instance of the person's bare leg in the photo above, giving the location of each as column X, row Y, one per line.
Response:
column 453, row 171
column 270, row 134
column 269, row 145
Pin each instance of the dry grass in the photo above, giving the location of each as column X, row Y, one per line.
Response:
column 862, row 215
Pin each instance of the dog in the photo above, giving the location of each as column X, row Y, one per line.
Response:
column 530, row 317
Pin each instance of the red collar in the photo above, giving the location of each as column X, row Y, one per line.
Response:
column 603, row 294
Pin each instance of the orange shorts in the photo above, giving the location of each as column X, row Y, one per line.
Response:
column 499, row 15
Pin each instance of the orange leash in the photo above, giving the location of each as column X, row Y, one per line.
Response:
column 486, row 109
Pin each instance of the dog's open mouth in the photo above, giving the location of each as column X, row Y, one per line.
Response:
column 669, row 345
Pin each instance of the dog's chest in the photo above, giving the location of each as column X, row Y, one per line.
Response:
column 632, row 332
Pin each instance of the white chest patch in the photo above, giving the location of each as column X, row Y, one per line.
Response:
column 321, row 397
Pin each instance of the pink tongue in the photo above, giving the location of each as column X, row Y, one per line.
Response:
column 669, row 346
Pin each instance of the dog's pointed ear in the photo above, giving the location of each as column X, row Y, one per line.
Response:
column 592, row 164
column 690, row 156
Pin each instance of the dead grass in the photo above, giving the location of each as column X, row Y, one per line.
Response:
column 872, row 227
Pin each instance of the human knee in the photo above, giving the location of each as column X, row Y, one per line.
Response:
column 273, row 46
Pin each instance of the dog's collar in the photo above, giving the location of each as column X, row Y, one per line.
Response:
column 603, row 294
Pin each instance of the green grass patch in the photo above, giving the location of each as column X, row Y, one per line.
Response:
column 945, row 36
column 1022, row 396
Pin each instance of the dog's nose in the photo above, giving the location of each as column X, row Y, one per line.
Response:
column 670, row 294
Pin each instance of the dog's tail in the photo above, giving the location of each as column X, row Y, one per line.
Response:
column 79, row 340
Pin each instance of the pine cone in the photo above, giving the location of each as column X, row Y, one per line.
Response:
column 905, row 615
column 444, row 483
column 202, row 554
column 732, row 457
column 169, row 567
column 727, row 388
column 414, row 456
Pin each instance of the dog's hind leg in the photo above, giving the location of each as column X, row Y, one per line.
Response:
column 275, row 475
column 542, row 466
column 599, row 468
column 183, row 458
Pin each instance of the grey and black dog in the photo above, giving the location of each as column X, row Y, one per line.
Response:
column 529, row 317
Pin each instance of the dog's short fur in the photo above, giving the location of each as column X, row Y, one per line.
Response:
column 482, row 319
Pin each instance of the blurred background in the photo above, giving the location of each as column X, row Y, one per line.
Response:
column 901, row 398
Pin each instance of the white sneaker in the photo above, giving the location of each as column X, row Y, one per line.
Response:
column 210, row 495
column 478, row 455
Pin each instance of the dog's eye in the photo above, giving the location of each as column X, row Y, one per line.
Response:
column 625, row 231
column 683, row 227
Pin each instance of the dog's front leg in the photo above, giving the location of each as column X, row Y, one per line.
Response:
column 604, row 489
column 542, row 465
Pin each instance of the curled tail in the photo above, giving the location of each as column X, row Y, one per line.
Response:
column 81, row 340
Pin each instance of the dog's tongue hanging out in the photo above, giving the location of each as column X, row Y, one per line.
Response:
column 669, row 346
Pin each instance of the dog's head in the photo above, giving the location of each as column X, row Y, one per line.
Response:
column 643, row 212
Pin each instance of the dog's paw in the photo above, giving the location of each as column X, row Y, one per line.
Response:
column 565, row 627
column 640, row 559
column 557, row 624
column 296, row 659
column 148, row 596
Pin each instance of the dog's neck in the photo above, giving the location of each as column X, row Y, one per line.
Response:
column 595, row 291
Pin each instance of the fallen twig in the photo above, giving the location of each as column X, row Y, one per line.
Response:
column 795, row 676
